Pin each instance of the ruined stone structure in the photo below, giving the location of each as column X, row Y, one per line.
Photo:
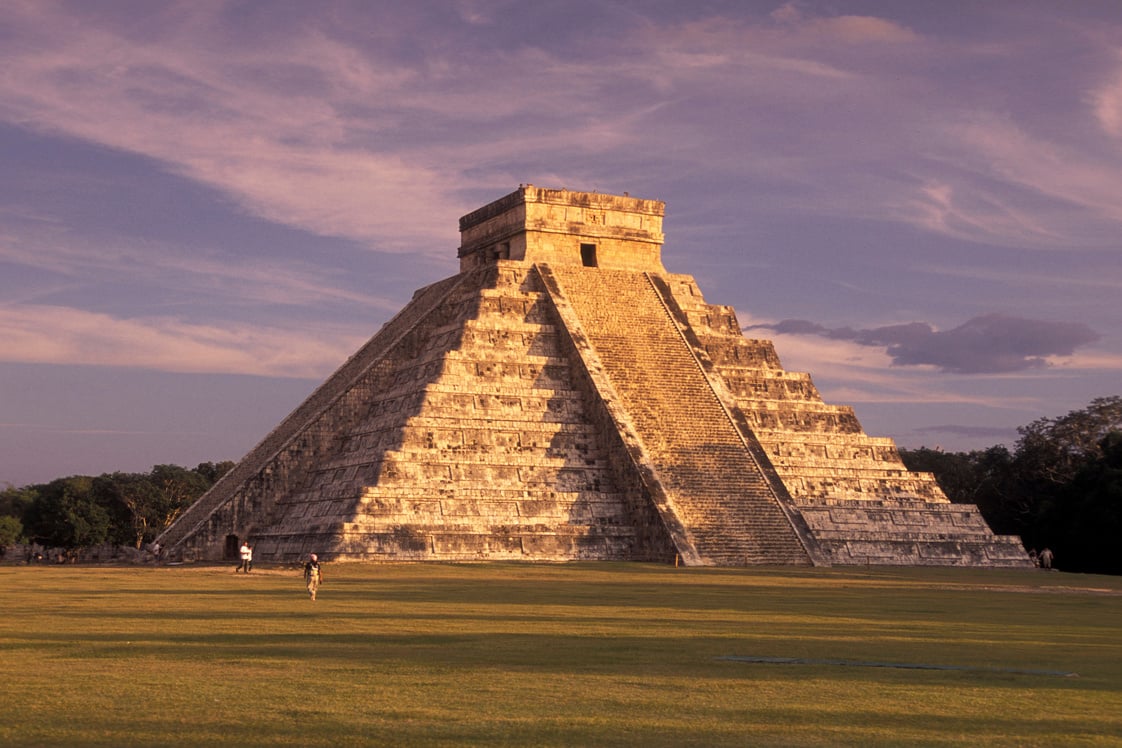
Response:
column 564, row 397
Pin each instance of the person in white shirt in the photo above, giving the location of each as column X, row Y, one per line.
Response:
column 247, row 558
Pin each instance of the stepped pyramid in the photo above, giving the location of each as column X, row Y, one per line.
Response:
column 562, row 398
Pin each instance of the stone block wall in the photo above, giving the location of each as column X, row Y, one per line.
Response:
column 541, row 225
column 909, row 533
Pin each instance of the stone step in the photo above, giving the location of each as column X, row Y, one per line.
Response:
column 717, row 491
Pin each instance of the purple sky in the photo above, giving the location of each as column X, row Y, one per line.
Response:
column 206, row 207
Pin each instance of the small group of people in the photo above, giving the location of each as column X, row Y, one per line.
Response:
column 1043, row 559
column 313, row 573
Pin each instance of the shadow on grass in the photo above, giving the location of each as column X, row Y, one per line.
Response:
column 549, row 654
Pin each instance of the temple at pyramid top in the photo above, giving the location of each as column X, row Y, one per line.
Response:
column 565, row 228
column 564, row 397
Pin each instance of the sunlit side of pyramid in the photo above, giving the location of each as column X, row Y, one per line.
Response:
column 563, row 398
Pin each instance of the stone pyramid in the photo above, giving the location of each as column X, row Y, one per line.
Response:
column 564, row 398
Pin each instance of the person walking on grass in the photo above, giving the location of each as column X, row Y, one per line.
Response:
column 312, row 575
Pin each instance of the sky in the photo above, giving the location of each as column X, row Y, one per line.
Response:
column 207, row 206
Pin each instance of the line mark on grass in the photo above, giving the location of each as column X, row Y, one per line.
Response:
column 900, row 665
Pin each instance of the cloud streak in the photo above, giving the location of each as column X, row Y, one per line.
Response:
column 238, row 116
column 50, row 334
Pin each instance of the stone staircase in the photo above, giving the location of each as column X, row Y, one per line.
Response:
column 852, row 491
column 715, row 488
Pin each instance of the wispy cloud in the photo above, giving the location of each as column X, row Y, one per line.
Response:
column 845, row 28
column 1090, row 280
column 1006, row 173
column 293, row 283
column 235, row 114
column 49, row 334
column 306, row 124
column 1107, row 103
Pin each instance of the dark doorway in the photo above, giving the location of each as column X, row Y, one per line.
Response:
column 232, row 548
column 501, row 251
column 588, row 255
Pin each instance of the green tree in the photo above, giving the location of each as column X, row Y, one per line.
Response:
column 148, row 503
column 119, row 508
column 129, row 496
column 178, row 488
column 1084, row 525
column 15, row 501
column 66, row 513
column 1052, row 450
column 11, row 531
column 1051, row 455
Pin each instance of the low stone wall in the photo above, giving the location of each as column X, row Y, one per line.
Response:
column 28, row 554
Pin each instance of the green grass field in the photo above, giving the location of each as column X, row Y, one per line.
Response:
column 566, row 655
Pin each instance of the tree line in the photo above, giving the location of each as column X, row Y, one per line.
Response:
column 1060, row 487
column 128, row 509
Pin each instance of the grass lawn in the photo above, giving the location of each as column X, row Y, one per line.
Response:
column 562, row 655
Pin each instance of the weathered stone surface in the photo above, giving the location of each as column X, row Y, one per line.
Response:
column 564, row 398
